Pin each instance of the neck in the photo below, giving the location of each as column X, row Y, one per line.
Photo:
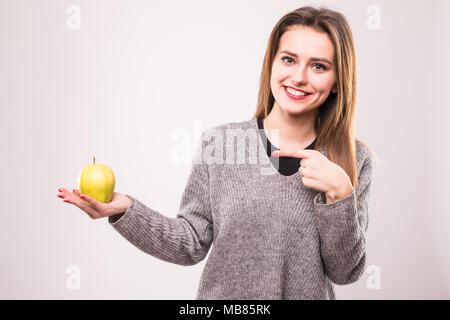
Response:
column 294, row 131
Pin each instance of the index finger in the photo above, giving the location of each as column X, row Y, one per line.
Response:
column 301, row 153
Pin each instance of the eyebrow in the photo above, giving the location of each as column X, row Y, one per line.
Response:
column 312, row 58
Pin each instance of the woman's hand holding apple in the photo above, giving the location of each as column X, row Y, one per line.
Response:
column 94, row 208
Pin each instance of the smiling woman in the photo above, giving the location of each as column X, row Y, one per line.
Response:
column 275, row 235
column 305, row 91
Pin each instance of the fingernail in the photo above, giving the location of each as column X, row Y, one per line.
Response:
column 73, row 190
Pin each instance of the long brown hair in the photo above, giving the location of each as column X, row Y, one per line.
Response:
column 335, row 119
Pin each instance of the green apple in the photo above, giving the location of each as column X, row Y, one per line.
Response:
column 97, row 181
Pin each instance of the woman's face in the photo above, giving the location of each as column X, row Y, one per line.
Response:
column 295, row 66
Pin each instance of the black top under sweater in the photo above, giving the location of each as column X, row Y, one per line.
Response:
column 288, row 165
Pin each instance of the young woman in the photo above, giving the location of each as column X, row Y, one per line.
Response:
column 289, row 234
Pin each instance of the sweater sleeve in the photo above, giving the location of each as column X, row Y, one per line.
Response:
column 184, row 240
column 342, row 226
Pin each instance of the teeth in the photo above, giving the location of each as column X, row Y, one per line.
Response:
column 295, row 92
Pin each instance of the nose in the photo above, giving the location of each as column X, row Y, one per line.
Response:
column 299, row 75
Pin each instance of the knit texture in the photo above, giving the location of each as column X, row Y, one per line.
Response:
column 270, row 236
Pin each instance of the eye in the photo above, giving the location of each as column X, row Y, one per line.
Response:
column 286, row 57
column 321, row 65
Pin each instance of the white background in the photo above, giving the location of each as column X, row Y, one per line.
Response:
column 138, row 71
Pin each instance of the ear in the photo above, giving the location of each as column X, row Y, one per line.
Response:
column 334, row 90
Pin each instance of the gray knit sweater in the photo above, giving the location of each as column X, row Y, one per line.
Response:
column 270, row 236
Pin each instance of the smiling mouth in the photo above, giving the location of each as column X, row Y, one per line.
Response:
column 295, row 92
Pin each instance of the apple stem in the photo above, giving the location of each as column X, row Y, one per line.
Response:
column 94, row 161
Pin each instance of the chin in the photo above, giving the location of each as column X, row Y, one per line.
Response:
column 293, row 110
